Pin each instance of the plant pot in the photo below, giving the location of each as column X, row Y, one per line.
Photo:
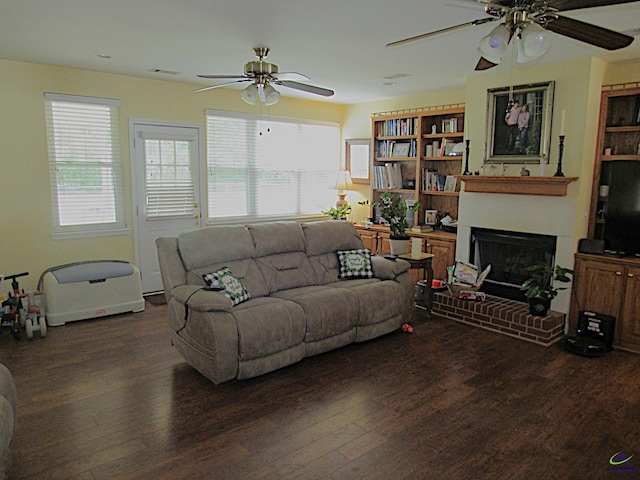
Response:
column 539, row 306
column 399, row 246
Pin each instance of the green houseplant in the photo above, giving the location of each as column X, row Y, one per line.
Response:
column 338, row 213
column 539, row 288
column 394, row 210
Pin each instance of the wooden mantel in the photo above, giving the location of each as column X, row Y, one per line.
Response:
column 520, row 185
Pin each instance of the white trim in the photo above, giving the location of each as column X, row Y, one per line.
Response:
column 61, row 97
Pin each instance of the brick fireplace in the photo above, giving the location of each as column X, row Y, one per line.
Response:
column 554, row 216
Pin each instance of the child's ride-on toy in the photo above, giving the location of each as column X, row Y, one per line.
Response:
column 15, row 315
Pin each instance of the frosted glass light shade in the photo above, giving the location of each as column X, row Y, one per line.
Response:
column 493, row 46
column 535, row 41
column 250, row 94
column 271, row 95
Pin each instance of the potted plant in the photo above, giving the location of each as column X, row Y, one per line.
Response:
column 394, row 210
column 539, row 288
column 339, row 212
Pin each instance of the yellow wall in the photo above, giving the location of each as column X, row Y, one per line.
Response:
column 25, row 202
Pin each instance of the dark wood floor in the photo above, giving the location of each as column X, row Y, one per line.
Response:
column 111, row 399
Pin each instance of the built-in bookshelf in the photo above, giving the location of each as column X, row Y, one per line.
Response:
column 418, row 155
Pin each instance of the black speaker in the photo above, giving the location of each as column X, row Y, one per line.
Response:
column 597, row 326
column 586, row 347
column 591, row 245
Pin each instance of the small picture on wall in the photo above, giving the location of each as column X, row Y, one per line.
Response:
column 519, row 123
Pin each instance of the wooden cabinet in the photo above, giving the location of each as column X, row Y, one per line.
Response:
column 441, row 244
column 611, row 286
column 618, row 139
column 444, row 249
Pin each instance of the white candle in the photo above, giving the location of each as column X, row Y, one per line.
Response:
column 564, row 112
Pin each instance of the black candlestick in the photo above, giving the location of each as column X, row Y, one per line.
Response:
column 466, row 163
column 560, row 152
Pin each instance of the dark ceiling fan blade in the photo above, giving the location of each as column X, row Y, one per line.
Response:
column 565, row 5
column 290, row 76
column 588, row 33
column 222, row 77
column 203, row 89
column 473, row 23
column 484, row 64
column 325, row 92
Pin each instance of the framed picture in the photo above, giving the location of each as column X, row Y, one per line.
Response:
column 400, row 150
column 357, row 159
column 519, row 123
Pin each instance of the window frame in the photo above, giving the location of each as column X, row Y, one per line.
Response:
column 264, row 124
column 113, row 166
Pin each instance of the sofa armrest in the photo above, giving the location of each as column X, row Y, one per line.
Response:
column 201, row 300
column 388, row 269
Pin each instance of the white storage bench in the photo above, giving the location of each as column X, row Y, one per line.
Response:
column 91, row 289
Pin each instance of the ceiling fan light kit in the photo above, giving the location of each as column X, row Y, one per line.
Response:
column 263, row 76
column 531, row 23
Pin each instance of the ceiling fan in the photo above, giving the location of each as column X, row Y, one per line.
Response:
column 262, row 76
column 530, row 21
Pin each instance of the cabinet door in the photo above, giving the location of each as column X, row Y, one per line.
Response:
column 600, row 287
column 384, row 247
column 444, row 256
column 369, row 239
column 630, row 319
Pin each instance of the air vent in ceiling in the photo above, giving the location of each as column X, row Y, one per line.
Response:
column 164, row 72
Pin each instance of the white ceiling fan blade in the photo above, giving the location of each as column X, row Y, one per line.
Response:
column 480, row 21
column 291, row 76
column 325, row 92
column 222, row 77
column 203, row 89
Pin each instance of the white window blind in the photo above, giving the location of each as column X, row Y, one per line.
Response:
column 276, row 168
column 169, row 186
column 85, row 169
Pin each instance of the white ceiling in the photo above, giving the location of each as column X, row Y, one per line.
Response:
column 339, row 44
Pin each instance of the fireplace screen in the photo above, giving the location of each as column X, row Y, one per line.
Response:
column 509, row 254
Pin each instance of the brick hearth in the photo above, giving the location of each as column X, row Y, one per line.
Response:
column 503, row 316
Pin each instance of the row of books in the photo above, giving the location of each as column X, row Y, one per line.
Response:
column 392, row 148
column 388, row 175
column 450, row 125
column 396, row 127
column 434, row 182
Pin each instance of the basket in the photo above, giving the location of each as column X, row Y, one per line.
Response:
column 456, row 288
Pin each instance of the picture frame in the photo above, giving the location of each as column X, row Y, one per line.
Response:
column 505, row 140
column 357, row 154
column 401, row 150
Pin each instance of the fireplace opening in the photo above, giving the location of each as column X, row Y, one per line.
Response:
column 509, row 254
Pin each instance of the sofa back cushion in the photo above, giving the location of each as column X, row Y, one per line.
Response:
column 210, row 249
column 281, row 256
column 323, row 240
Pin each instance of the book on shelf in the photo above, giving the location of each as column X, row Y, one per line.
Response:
column 393, row 148
column 422, row 228
column 388, row 175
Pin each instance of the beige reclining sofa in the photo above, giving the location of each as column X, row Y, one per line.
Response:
column 291, row 291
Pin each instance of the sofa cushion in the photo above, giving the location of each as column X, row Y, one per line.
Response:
column 268, row 325
column 214, row 245
column 276, row 237
column 328, row 236
column 355, row 263
column 246, row 270
column 234, row 290
column 328, row 311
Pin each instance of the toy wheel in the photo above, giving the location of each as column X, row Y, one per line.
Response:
column 28, row 326
column 43, row 327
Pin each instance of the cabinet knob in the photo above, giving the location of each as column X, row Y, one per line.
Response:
column 618, row 273
column 629, row 275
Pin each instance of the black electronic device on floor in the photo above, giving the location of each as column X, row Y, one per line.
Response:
column 594, row 335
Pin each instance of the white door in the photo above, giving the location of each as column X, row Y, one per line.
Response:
column 167, row 174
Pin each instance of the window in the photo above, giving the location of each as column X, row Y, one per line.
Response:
column 276, row 168
column 83, row 136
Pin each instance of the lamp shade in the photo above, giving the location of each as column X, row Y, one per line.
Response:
column 250, row 94
column 271, row 95
column 534, row 42
column 344, row 181
column 493, row 46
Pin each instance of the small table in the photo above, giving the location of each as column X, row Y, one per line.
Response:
column 421, row 261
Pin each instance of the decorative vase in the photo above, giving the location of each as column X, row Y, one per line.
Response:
column 539, row 306
column 399, row 246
